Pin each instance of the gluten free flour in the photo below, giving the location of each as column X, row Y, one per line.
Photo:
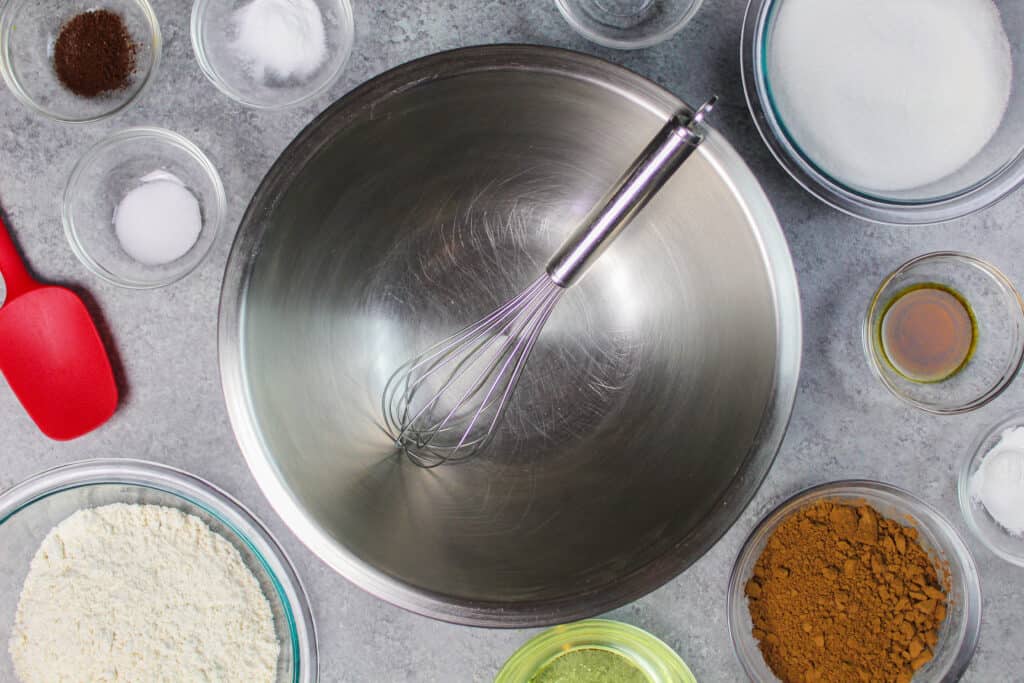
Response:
column 139, row 594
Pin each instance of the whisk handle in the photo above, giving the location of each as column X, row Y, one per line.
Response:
column 673, row 144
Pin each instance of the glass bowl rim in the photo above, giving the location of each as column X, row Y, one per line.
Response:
column 198, row 493
column 213, row 220
column 550, row 642
column 199, row 49
column 622, row 43
column 922, row 513
column 964, row 202
column 1014, row 362
column 14, row 84
column 970, row 457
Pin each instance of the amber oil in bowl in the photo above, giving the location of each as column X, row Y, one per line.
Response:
column 928, row 332
column 945, row 332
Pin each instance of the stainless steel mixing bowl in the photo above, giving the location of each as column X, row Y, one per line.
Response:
column 649, row 412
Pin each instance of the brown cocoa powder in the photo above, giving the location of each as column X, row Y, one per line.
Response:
column 842, row 594
column 94, row 53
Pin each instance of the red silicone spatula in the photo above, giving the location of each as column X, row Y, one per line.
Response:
column 51, row 353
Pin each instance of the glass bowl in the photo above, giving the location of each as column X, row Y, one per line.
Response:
column 28, row 30
column 213, row 32
column 999, row 340
column 627, row 24
column 958, row 635
column 107, row 173
column 31, row 509
column 993, row 173
column 649, row 654
column 979, row 521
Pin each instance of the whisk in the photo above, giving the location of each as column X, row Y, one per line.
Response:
column 444, row 405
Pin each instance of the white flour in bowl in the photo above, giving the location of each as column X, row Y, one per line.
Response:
column 141, row 593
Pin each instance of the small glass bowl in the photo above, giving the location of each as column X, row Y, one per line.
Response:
column 999, row 344
column 110, row 170
column 994, row 172
column 28, row 31
column 628, row 24
column 958, row 635
column 979, row 521
column 213, row 31
column 31, row 509
column 649, row 654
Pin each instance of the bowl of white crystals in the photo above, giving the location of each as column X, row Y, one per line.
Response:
column 143, row 208
column 906, row 112
column 141, row 568
column 272, row 54
column 991, row 488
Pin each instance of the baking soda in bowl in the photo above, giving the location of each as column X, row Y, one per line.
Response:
column 159, row 221
column 888, row 96
column 999, row 482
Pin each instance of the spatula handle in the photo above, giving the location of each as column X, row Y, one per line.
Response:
column 16, row 277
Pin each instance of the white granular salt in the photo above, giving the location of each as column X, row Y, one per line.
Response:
column 159, row 221
column 141, row 594
column 281, row 39
column 999, row 482
column 890, row 95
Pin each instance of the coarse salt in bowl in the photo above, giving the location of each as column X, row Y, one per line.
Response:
column 994, row 536
column 107, row 174
column 28, row 511
column 225, row 57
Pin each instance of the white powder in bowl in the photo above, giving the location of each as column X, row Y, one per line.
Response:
column 141, row 593
column 998, row 484
column 281, row 39
column 159, row 221
column 889, row 95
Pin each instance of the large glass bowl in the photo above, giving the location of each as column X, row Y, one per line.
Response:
column 958, row 635
column 31, row 509
column 994, row 172
column 657, row 660
column 28, row 30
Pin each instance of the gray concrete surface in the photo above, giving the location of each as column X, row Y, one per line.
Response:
column 845, row 424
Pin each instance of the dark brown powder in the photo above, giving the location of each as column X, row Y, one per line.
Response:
column 94, row 53
column 842, row 594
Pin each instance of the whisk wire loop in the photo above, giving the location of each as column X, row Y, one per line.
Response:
column 476, row 370
column 492, row 353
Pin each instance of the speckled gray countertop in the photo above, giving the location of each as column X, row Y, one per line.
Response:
column 844, row 425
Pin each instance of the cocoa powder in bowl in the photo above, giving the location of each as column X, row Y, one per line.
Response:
column 94, row 53
column 841, row 593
